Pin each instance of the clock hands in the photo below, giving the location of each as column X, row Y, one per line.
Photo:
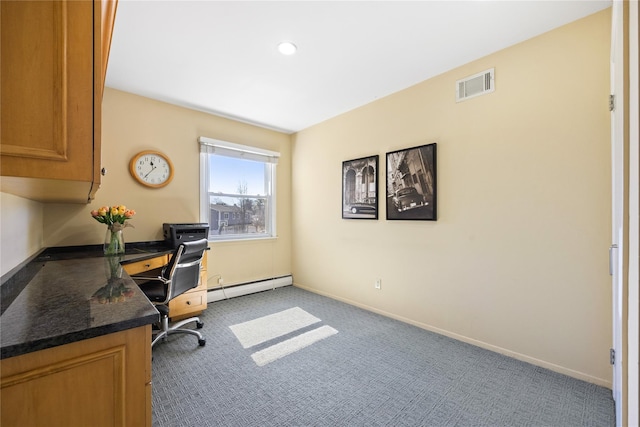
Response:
column 152, row 169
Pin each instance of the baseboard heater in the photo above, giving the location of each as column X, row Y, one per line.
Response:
column 218, row 294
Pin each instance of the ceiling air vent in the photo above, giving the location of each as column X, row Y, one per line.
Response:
column 475, row 85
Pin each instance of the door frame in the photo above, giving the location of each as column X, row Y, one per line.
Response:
column 625, row 210
column 617, row 248
column 633, row 325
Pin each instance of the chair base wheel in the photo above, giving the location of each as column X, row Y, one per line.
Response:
column 202, row 342
column 199, row 325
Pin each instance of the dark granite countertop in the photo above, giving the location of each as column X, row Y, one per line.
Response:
column 68, row 294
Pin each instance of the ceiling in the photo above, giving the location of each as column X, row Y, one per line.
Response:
column 221, row 56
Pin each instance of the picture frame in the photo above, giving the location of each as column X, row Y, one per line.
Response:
column 360, row 188
column 411, row 183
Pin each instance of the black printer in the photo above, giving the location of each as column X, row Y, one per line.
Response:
column 174, row 234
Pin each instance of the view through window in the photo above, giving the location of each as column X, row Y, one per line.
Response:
column 237, row 190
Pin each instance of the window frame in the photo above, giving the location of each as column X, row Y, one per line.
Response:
column 209, row 146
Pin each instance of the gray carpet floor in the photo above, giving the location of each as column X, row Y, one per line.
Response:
column 375, row 371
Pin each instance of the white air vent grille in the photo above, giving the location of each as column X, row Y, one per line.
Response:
column 476, row 85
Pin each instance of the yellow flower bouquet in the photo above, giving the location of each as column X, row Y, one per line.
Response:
column 115, row 218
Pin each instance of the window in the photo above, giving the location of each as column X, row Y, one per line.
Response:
column 237, row 190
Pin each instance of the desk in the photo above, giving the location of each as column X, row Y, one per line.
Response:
column 49, row 301
column 69, row 358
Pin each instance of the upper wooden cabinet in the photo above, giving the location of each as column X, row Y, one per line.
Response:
column 53, row 65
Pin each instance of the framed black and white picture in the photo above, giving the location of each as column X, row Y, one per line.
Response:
column 360, row 188
column 411, row 184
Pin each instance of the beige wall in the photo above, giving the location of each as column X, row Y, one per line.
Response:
column 517, row 261
column 131, row 124
column 21, row 230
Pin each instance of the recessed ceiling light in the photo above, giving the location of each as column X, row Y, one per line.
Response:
column 287, row 48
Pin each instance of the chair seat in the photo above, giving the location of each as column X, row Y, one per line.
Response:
column 155, row 290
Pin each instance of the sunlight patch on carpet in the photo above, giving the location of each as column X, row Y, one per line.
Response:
column 292, row 345
column 281, row 324
column 266, row 328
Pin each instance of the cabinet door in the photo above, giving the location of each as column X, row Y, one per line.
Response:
column 102, row 381
column 47, row 89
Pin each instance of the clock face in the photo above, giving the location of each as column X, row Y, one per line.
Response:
column 151, row 168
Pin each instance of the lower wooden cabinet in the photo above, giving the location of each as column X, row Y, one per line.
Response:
column 102, row 381
column 193, row 302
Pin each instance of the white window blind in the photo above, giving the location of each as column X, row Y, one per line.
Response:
column 229, row 149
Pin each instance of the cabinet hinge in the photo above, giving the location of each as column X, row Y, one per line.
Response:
column 612, row 356
column 612, row 102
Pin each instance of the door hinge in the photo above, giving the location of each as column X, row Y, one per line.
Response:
column 612, row 102
column 612, row 356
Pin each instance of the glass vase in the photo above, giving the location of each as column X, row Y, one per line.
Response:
column 113, row 266
column 114, row 240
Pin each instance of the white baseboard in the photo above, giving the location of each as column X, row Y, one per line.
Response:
column 248, row 288
column 605, row 382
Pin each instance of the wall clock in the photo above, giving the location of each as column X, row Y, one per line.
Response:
column 151, row 168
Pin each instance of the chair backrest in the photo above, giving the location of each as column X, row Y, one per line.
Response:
column 183, row 270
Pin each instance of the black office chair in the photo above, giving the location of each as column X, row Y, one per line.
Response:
column 181, row 274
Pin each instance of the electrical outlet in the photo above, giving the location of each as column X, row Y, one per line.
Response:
column 220, row 281
column 378, row 284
